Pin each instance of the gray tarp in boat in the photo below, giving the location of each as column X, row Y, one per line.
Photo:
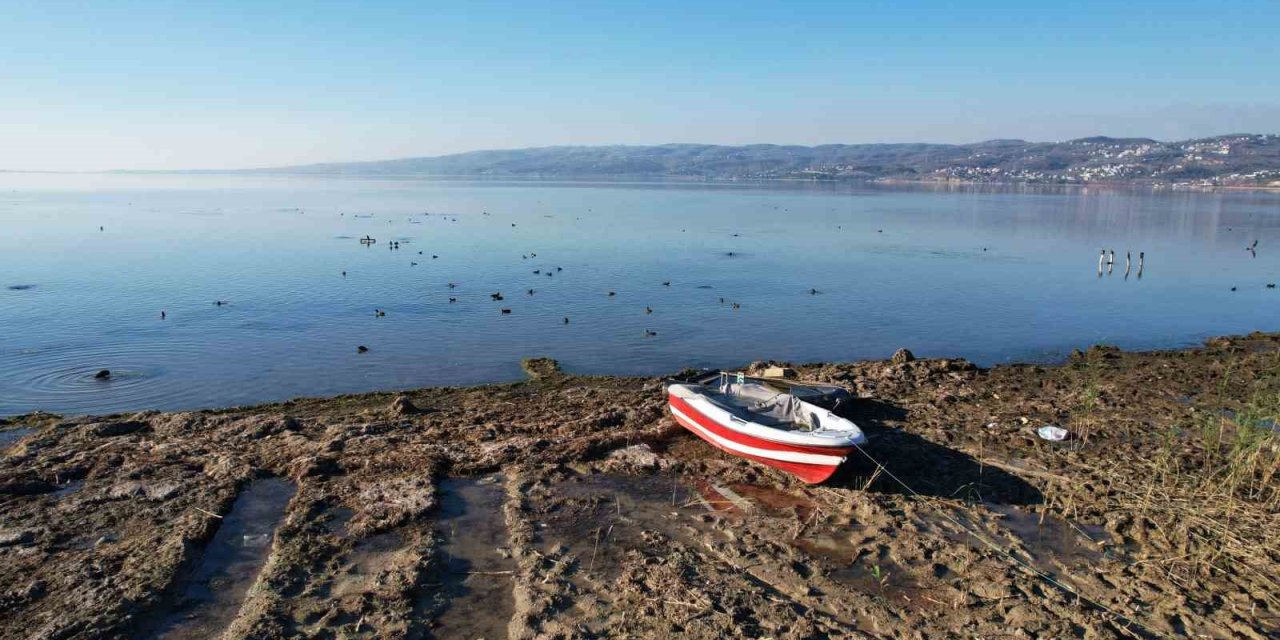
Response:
column 763, row 405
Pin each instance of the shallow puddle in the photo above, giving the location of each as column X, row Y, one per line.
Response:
column 468, row 592
column 749, row 499
column 1051, row 539
column 1267, row 424
column 68, row 488
column 12, row 436
column 599, row 518
column 230, row 563
column 873, row 572
column 336, row 520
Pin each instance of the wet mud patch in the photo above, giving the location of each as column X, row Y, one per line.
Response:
column 368, row 558
column 592, row 532
column 669, row 555
column 874, row 572
column 597, row 520
column 230, row 564
column 467, row 592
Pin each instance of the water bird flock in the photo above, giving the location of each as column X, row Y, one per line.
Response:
column 1106, row 262
column 498, row 296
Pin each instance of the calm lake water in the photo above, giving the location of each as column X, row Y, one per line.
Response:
column 988, row 274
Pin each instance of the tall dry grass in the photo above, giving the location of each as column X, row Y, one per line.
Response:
column 1205, row 498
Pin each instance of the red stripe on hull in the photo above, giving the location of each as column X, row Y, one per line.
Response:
column 808, row 472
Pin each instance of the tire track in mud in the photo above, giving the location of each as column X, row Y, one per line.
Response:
column 208, row 598
column 465, row 589
column 358, row 543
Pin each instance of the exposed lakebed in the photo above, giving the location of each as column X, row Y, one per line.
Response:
column 572, row 506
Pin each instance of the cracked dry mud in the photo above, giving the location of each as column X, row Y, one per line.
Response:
column 573, row 507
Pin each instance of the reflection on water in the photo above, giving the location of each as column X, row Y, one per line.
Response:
column 985, row 273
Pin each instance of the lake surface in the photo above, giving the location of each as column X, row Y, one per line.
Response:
column 988, row 274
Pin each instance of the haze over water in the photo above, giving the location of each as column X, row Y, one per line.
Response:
column 895, row 267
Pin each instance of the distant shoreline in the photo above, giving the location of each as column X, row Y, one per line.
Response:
column 604, row 179
column 1239, row 160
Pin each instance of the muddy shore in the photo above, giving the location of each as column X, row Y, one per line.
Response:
column 573, row 507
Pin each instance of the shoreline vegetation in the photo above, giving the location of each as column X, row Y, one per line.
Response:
column 572, row 506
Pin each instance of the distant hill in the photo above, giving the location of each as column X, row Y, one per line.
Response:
column 1244, row 159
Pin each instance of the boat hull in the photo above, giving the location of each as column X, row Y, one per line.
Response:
column 811, row 464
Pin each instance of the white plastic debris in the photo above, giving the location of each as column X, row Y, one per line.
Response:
column 257, row 541
column 1052, row 432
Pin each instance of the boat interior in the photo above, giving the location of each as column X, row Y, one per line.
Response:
column 758, row 403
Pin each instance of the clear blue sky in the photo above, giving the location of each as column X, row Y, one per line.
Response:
column 105, row 85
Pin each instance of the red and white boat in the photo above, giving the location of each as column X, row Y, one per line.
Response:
column 767, row 420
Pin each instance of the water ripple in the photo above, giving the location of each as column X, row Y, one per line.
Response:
column 63, row 378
